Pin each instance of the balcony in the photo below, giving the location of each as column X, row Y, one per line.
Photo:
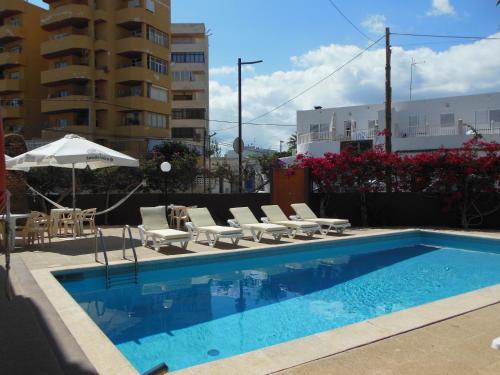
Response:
column 10, row 59
column 139, row 73
column 188, row 123
column 330, row 136
column 9, row 33
column 141, row 103
column 129, row 45
column 9, row 8
column 199, row 85
column 193, row 67
column 11, row 85
column 65, row 103
column 65, row 46
column 11, row 108
column 67, row 74
column 76, row 15
column 131, row 17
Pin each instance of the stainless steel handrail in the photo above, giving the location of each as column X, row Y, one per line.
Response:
column 131, row 242
column 105, row 253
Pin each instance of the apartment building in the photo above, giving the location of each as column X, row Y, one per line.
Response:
column 190, row 92
column 20, row 67
column 108, row 75
column 418, row 125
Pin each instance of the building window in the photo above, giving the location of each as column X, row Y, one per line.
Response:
column 60, row 64
column 182, row 132
column 61, row 123
column 481, row 118
column 372, row 124
column 347, row 128
column 157, row 65
column 157, row 93
column 16, row 49
column 413, row 121
column 157, row 120
column 132, row 118
column 157, row 36
column 495, row 118
column 150, row 5
column 188, row 57
column 188, row 114
column 183, row 76
column 15, row 75
column 183, row 96
column 447, row 119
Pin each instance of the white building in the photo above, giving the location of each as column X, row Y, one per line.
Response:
column 418, row 125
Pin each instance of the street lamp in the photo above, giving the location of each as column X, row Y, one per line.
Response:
column 412, row 65
column 165, row 168
column 240, row 139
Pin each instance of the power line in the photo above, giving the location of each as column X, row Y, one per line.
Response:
column 97, row 101
column 448, row 36
column 348, row 20
column 320, row 81
column 255, row 124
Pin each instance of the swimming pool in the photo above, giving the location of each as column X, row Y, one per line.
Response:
column 190, row 311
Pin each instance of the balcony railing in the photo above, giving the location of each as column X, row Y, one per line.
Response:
column 411, row 132
column 122, row 93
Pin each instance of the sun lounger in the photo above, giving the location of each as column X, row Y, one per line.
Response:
column 202, row 222
column 305, row 213
column 244, row 218
column 275, row 215
column 155, row 226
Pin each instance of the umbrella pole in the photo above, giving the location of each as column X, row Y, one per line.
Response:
column 74, row 201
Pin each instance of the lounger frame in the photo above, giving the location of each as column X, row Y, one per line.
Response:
column 159, row 241
column 211, row 235
column 257, row 234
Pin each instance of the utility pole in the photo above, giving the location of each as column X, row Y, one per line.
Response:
column 388, row 105
column 388, row 92
column 240, row 139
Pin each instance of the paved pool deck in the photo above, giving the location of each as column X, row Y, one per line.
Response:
column 458, row 345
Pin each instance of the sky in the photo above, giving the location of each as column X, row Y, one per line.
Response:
column 303, row 41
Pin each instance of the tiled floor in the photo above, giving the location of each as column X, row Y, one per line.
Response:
column 459, row 345
column 455, row 346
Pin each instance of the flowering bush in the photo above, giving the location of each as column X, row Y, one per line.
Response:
column 462, row 176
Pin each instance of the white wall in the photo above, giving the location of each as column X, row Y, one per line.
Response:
column 467, row 108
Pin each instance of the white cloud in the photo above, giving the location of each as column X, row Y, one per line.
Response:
column 375, row 23
column 462, row 69
column 226, row 70
column 441, row 8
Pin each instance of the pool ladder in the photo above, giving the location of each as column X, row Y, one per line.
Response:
column 119, row 278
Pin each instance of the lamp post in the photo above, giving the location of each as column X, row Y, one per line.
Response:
column 412, row 65
column 165, row 168
column 240, row 148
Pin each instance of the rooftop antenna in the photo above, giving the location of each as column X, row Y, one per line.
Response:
column 412, row 65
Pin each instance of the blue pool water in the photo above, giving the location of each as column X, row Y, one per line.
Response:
column 189, row 312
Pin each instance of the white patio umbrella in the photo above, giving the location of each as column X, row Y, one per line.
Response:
column 73, row 152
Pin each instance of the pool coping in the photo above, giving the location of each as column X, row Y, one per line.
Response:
column 106, row 358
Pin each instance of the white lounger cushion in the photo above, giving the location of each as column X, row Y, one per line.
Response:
column 220, row 230
column 265, row 227
column 305, row 213
column 297, row 224
column 170, row 234
column 330, row 221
